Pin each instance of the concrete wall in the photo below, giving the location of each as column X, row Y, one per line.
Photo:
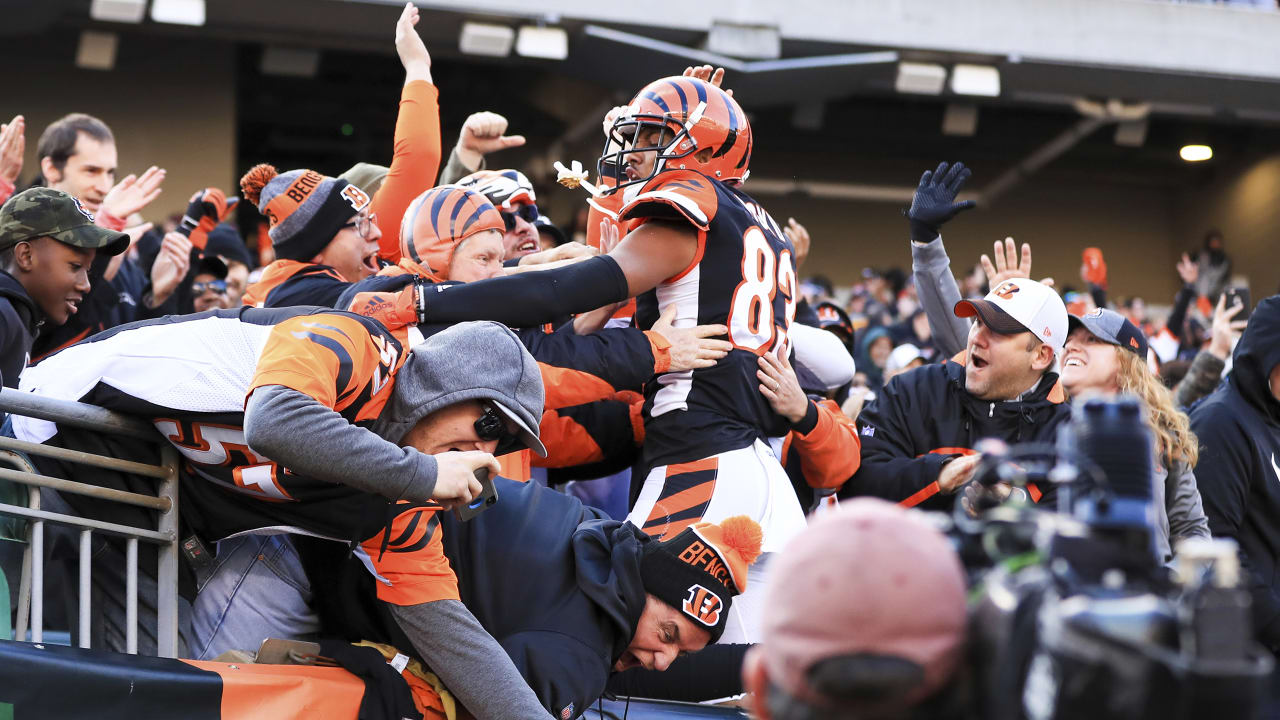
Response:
column 1244, row 203
column 170, row 103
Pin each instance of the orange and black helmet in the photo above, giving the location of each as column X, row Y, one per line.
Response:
column 438, row 220
column 694, row 115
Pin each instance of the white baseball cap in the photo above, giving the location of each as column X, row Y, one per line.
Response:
column 1020, row 305
column 902, row 356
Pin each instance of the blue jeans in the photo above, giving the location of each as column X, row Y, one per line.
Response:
column 254, row 589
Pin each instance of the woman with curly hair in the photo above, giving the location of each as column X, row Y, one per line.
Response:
column 1106, row 354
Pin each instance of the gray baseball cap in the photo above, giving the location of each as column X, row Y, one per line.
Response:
column 468, row 361
column 1112, row 327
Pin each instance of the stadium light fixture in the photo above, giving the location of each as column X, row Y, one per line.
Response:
column 486, row 39
column 548, row 43
column 920, row 78
column 97, row 50
column 178, row 12
column 122, row 11
column 982, row 80
column 1195, row 153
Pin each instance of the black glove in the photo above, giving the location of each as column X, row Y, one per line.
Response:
column 935, row 200
column 207, row 208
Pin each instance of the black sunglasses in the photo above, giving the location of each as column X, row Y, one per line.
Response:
column 218, row 286
column 528, row 212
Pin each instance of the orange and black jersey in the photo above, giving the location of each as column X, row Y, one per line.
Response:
column 924, row 417
column 743, row 276
column 290, row 283
column 190, row 376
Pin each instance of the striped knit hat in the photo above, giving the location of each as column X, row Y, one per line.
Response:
column 304, row 208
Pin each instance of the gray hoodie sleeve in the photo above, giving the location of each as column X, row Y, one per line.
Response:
column 1182, row 503
column 455, row 170
column 470, row 663
column 939, row 293
column 313, row 440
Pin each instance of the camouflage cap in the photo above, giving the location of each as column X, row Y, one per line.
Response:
column 44, row 212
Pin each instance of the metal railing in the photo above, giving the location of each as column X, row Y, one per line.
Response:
column 16, row 468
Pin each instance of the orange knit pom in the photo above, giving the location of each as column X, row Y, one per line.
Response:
column 253, row 181
column 743, row 535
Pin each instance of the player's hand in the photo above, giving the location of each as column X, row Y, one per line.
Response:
column 482, row 133
column 1188, row 270
column 610, row 235
column 708, row 74
column 691, row 348
column 413, row 53
column 133, row 193
column 1225, row 330
column 778, row 383
column 13, row 142
column 170, row 267
column 799, row 238
column 1007, row 264
column 934, row 202
column 958, row 472
column 456, row 482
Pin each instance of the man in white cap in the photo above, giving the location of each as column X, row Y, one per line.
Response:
column 917, row 436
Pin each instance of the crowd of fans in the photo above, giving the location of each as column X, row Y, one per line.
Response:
column 668, row 413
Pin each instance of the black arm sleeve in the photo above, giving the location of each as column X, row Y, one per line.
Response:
column 531, row 298
column 1179, row 312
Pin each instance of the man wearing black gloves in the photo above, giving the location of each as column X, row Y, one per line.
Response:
column 1239, row 471
column 917, row 436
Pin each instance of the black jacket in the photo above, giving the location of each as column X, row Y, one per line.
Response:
column 924, row 417
column 1239, row 470
column 556, row 583
column 20, row 321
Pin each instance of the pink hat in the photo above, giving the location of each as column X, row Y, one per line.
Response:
column 873, row 578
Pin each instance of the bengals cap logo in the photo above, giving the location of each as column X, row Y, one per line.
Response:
column 1095, row 313
column 1006, row 290
column 703, row 605
column 355, row 197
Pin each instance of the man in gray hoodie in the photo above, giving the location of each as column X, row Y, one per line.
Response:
column 347, row 435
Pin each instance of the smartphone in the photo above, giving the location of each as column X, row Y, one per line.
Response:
column 1238, row 295
column 488, row 496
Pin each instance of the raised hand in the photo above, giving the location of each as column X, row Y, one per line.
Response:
column 13, row 142
column 413, row 53
column 706, row 73
column 170, row 267
column 1225, row 330
column 694, row 347
column 799, row 237
column 1188, row 270
column 133, row 193
column 206, row 209
column 483, row 133
column 1007, row 264
column 934, row 202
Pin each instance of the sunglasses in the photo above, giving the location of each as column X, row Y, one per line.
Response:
column 528, row 212
column 490, row 426
column 218, row 286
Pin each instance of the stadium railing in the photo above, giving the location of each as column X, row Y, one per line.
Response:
column 16, row 467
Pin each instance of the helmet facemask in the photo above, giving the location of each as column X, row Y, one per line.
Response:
column 673, row 142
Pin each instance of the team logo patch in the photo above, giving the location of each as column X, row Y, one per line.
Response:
column 567, row 712
column 868, row 431
column 703, row 605
column 1047, row 331
column 1095, row 313
column 1133, row 342
column 1006, row 290
column 83, row 212
column 355, row 197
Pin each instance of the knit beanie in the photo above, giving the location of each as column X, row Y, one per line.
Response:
column 304, row 209
column 699, row 570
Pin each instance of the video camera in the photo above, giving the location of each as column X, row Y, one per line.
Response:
column 1075, row 616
